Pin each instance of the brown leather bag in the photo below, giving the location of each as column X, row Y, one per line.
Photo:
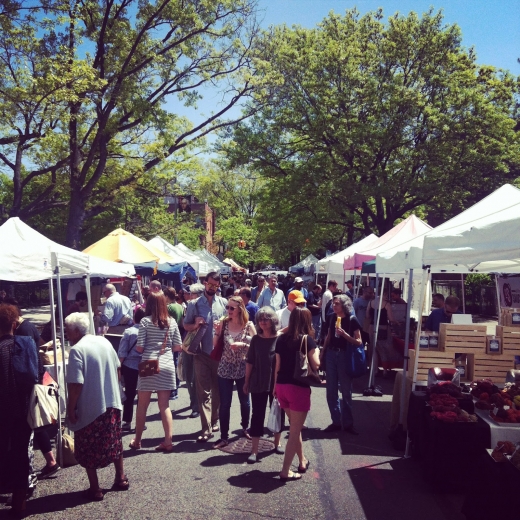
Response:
column 150, row 367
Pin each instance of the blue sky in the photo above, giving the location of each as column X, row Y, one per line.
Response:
column 492, row 27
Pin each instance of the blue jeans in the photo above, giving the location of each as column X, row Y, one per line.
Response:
column 336, row 367
column 225, row 387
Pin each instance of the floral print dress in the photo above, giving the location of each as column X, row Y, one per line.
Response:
column 233, row 362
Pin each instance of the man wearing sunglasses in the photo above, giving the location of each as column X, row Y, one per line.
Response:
column 443, row 315
column 208, row 308
column 272, row 296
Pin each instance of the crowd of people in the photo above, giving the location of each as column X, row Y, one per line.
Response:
column 249, row 341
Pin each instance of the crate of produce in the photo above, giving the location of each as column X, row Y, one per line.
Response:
column 494, row 367
column 463, row 339
column 510, row 338
column 427, row 360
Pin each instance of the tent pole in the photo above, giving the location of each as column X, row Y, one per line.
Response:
column 499, row 305
column 345, row 283
column 62, row 331
column 59, row 451
column 406, row 340
column 89, row 303
column 463, row 294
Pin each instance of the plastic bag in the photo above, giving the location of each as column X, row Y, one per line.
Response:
column 274, row 422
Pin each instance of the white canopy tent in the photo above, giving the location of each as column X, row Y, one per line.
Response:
column 26, row 257
column 483, row 238
column 181, row 253
column 29, row 256
column 307, row 265
column 333, row 265
column 213, row 262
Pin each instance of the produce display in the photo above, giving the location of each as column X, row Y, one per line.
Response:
column 502, row 449
column 504, row 405
column 444, row 400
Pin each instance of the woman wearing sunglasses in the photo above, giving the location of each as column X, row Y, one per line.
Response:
column 237, row 331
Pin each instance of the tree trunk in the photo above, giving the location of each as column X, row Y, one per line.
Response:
column 75, row 220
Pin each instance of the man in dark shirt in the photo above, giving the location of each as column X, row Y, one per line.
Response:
column 314, row 305
column 443, row 315
column 251, row 307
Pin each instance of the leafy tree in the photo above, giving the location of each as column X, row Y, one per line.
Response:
column 84, row 87
column 235, row 194
column 368, row 121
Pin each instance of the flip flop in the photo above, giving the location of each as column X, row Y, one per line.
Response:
column 294, row 476
column 204, row 437
column 91, row 494
column 134, row 445
column 164, row 447
column 303, row 469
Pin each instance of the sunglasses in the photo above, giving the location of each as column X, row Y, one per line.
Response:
column 229, row 308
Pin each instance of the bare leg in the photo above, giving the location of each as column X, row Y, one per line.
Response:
column 277, row 437
column 255, row 441
column 163, row 400
column 93, row 481
column 140, row 419
column 294, row 444
column 120, row 473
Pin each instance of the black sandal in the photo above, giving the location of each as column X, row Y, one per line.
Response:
column 121, row 484
column 96, row 495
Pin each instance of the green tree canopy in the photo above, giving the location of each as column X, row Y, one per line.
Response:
column 367, row 122
column 84, row 88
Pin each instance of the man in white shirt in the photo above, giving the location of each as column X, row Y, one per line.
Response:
column 294, row 299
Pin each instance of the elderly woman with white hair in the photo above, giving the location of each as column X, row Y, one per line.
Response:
column 94, row 405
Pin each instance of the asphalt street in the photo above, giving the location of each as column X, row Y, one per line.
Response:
column 350, row 477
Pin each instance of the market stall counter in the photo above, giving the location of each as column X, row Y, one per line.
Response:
column 446, row 451
column 492, row 489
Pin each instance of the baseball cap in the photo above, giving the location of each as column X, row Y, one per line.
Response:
column 298, row 279
column 296, row 297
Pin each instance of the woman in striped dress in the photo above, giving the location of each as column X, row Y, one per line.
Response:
column 158, row 336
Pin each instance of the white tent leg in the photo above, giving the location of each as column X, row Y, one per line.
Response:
column 498, row 298
column 62, row 330
column 406, row 340
column 89, row 303
column 463, row 293
column 59, row 448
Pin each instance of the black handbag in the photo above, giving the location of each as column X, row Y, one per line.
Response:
column 303, row 372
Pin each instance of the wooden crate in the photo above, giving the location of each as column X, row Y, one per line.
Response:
column 463, row 339
column 510, row 337
column 492, row 366
column 427, row 360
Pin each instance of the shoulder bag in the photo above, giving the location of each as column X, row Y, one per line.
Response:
column 216, row 353
column 43, row 406
column 356, row 361
column 303, row 373
column 192, row 341
column 150, row 367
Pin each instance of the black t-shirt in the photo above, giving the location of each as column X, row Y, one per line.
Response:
column 26, row 328
column 287, row 349
column 349, row 324
column 313, row 300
